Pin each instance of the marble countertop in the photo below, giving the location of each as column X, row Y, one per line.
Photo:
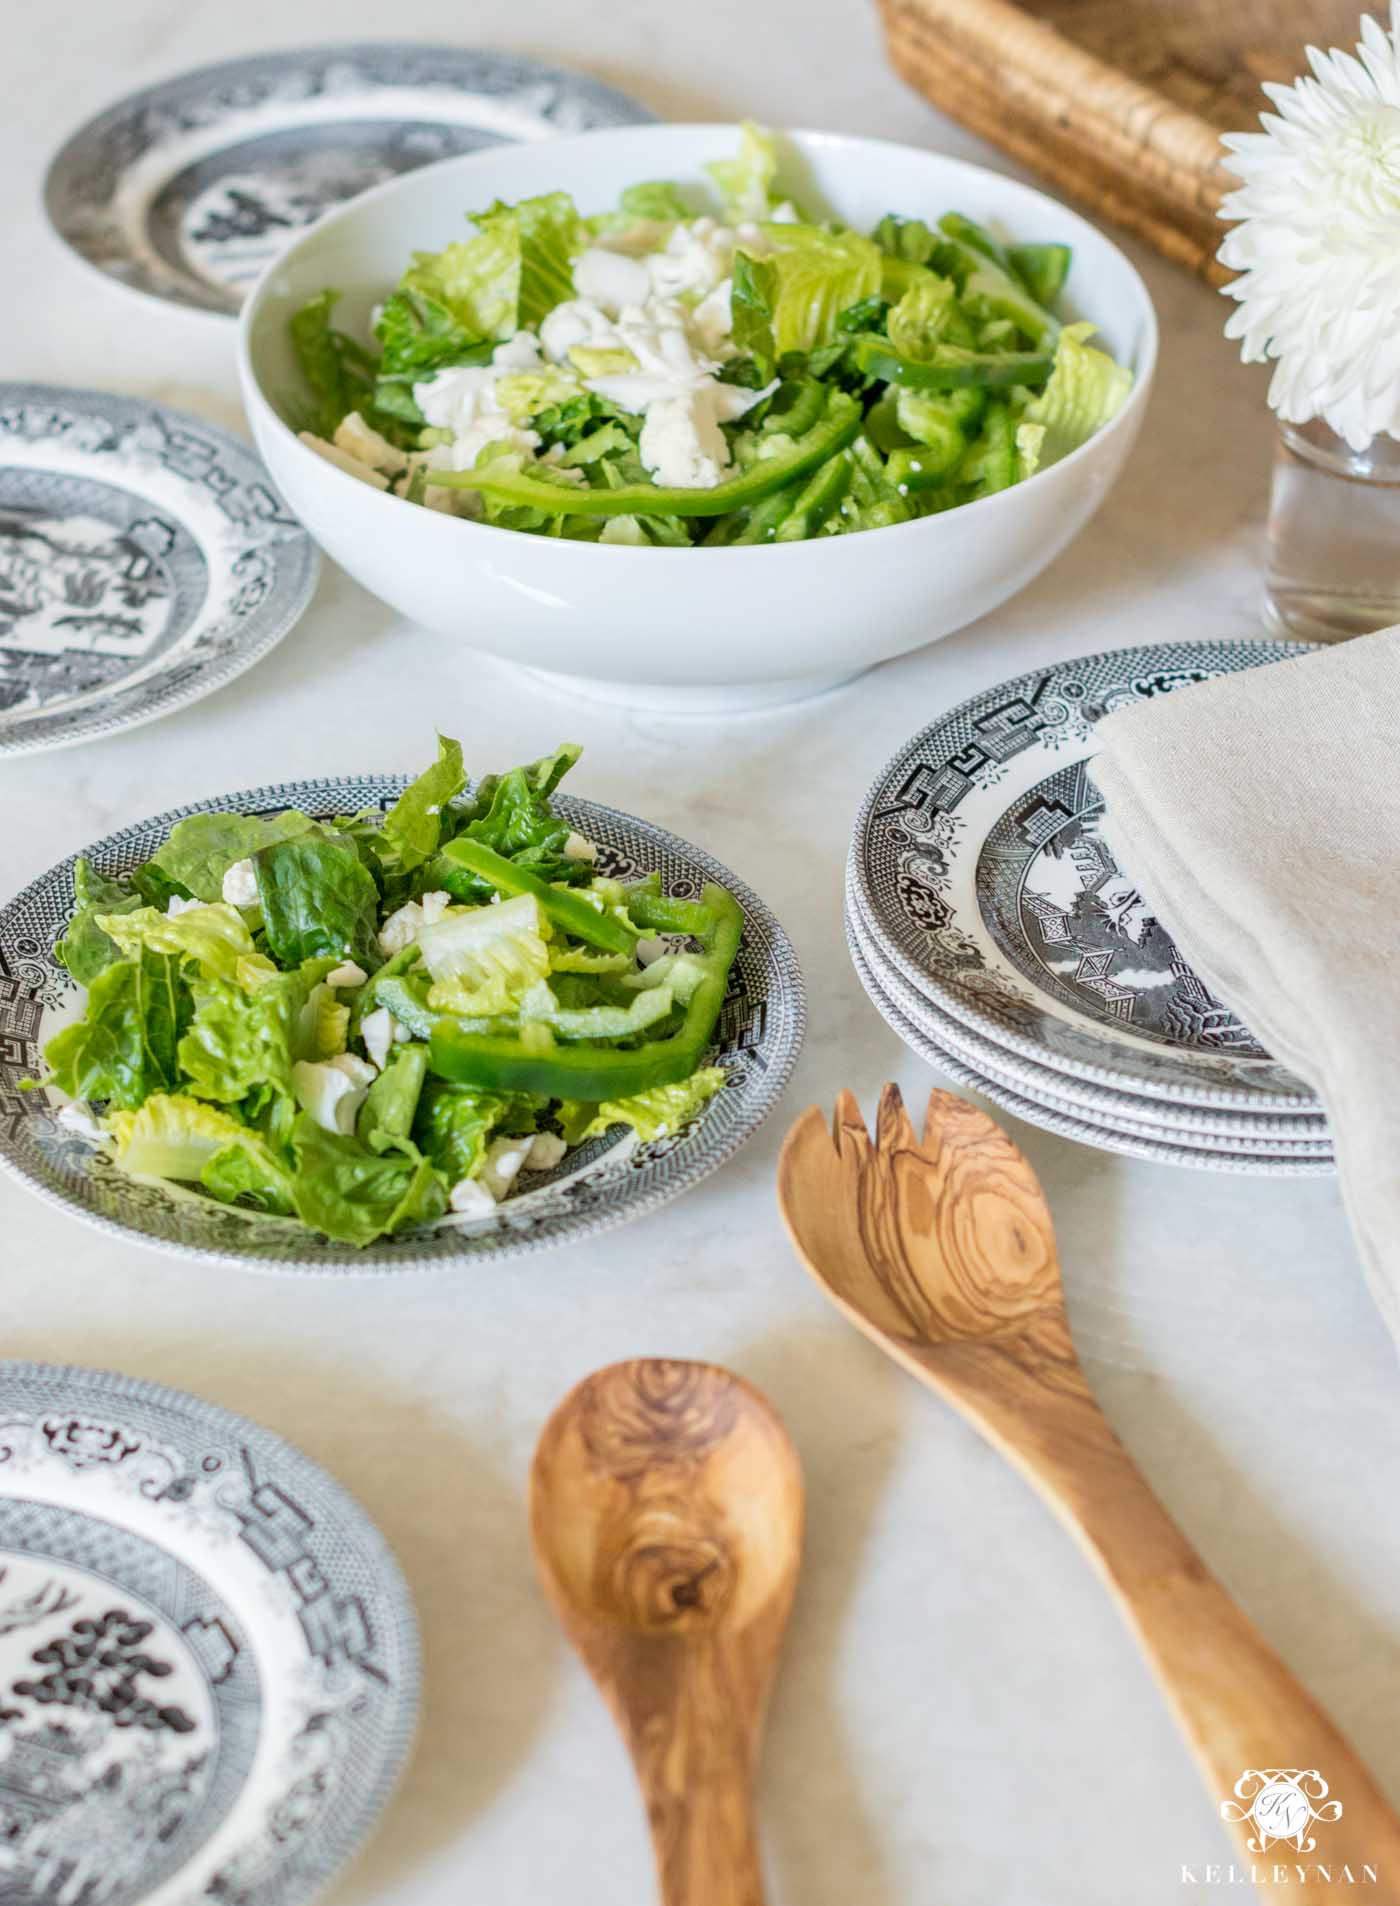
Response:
column 960, row 1716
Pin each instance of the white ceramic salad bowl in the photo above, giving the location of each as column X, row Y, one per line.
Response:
column 693, row 628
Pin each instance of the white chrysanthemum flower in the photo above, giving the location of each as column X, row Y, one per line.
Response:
column 1318, row 242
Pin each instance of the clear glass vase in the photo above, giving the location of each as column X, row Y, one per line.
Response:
column 1334, row 535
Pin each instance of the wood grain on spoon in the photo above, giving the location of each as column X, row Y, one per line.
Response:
column 941, row 1249
column 666, row 1513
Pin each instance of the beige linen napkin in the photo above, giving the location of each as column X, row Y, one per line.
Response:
column 1260, row 815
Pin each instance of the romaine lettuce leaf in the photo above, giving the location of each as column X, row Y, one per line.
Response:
column 475, row 281
column 547, row 233
column 172, row 1136
column 237, row 1041
column 818, row 274
column 202, row 847
column 388, row 1111
column 318, row 900
column 660, row 1113
column 357, row 1195
column 752, row 300
column 419, row 336
column 125, row 1045
column 455, row 1123
column 215, row 937
column 413, row 825
column 485, row 960
column 658, row 199
column 339, row 370
column 746, row 181
column 511, row 813
column 1086, row 390
column 85, row 949
column 249, row 1169
column 919, row 321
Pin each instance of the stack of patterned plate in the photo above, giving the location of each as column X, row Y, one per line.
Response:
column 992, row 929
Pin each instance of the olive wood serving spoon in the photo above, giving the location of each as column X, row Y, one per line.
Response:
column 941, row 1250
column 666, row 1515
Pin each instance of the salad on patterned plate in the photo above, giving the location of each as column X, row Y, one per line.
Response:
column 738, row 373
column 373, row 1021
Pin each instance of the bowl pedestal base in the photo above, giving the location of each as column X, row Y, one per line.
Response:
column 733, row 698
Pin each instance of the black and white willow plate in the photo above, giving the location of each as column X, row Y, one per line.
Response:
column 1064, row 1092
column 208, row 1656
column 603, row 1183
column 186, row 190
column 980, row 874
column 1168, row 1148
column 145, row 560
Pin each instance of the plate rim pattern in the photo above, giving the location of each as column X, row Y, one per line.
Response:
column 295, row 557
column 1181, row 1090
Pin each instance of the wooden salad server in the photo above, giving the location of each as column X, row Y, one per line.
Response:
column 941, row 1250
column 666, row 1516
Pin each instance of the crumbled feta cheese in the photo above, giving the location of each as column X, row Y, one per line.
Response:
column 547, row 1150
column 699, row 256
column 352, row 466
column 502, row 1163
column 401, row 928
column 79, row 1120
column 653, row 947
column 175, row 906
column 402, row 1033
column 240, row 884
column 576, row 321
column 404, row 925
column 377, row 1031
column 610, row 278
column 470, row 1199
column 463, row 400
column 712, row 320
column 332, row 1090
column 348, row 973
column 576, row 847
column 359, row 439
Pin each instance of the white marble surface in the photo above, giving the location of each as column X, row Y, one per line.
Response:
column 960, row 1717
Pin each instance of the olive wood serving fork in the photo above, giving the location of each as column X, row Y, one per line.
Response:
column 940, row 1249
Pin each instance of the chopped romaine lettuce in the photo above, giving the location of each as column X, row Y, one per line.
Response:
column 1085, row 391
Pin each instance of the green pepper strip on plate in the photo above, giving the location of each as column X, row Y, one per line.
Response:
column 566, row 909
column 495, row 1062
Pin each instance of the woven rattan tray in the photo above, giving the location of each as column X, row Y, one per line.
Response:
column 1120, row 102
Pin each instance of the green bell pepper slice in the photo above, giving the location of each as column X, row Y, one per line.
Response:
column 951, row 367
column 531, row 1063
column 565, row 909
column 839, row 424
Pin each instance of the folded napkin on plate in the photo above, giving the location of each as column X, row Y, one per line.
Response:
column 1260, row 815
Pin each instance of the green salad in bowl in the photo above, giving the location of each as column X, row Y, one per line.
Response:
column 371, row 1022
column 738, row 372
